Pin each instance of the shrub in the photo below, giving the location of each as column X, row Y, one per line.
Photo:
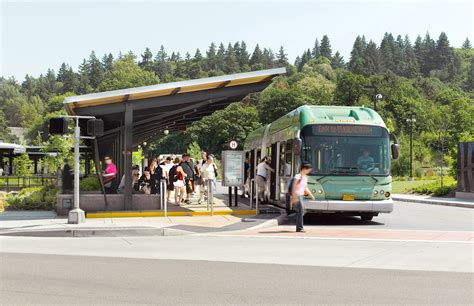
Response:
column 434, row 188
column 36, row 198
column 89, row 184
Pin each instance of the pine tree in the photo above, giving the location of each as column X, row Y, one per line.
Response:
column 444, row 57
column 147, row 60
column 179, row 72
column 243, row 56
column 162, row 66
column 410, row 68
column 96, row 70
column 357, row 63
column 50, row 81
column 231, row 63
column 427, row 53
column 198, row 56
column 282, row 57
column 84, row 82
column 387, row 50
column 220, row 57
column 372, row 59
column 337, row 61
column 107, row 61
column 256, row 56
column 326, row 47
column 267, row 58
column 316, row 50
column 211, row 57
column 467, row 44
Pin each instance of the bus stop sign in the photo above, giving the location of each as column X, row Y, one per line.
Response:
column 233, row 168
column 233, row 144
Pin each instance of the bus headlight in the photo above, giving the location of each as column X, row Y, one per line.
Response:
column 381, row 192
column 376, row 192
column 320, row 191
column 387, row 194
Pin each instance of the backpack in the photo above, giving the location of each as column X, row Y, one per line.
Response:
column 173, row 175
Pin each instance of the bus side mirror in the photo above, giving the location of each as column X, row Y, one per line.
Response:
column 395, row 150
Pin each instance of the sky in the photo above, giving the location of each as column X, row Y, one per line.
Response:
column 37, row 35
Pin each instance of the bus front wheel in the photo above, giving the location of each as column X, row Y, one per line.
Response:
column 367, row 217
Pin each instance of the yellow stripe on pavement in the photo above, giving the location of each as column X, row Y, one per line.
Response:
column 139, row 214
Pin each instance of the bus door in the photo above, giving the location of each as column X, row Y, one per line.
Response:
column 274, row 174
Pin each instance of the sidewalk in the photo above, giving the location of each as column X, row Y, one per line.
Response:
column 47, row 224
column 426, row 199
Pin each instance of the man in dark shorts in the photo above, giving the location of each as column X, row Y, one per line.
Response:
column 188, row 168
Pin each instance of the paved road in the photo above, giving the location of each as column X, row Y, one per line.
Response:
column 32, row 279
column 253, row 268
column 407, row 216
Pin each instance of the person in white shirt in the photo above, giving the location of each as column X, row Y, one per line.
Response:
column 197, row 168
column 208, row 172
column 261, row 178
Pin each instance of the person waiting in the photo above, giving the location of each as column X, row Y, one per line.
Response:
column 261, row 178
column 147, row 182
column 208, row 173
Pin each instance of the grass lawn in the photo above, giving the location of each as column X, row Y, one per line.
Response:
column 403, row 186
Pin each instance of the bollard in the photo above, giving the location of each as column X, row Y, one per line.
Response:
column 256, row 198
column 208, row 196
column 164, row 200
column 251, row 193
column 211, row 193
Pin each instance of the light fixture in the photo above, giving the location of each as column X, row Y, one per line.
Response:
column 166, row 132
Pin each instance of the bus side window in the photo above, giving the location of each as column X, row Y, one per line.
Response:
column 282, row 159
column 288, row 158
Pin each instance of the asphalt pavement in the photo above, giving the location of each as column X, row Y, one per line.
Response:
column 53, row 279
column 323, row 266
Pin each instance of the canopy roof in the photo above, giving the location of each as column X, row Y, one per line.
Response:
column 171, row 106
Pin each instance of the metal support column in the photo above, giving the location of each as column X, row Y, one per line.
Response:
column 127, row 151
column 76, row 215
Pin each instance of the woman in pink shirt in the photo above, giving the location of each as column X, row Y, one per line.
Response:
column 110, row 173
column 298, row 191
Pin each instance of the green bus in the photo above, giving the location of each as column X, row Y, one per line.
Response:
column 349, row 148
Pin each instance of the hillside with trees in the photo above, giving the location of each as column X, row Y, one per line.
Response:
column 427, row 79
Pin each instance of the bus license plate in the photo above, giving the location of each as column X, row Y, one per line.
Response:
column 348, row 197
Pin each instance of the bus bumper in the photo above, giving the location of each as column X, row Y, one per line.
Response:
column 382, row 206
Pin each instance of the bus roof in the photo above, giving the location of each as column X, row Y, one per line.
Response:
column 316, row 114
column 312, row 114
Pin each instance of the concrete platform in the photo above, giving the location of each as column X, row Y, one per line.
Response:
column 426, row 199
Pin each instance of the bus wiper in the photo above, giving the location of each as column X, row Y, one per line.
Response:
column 373, row 177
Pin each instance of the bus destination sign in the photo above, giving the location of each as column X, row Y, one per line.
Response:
column 346, row 130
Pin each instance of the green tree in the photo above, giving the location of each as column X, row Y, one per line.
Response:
column 235, row 122
column 467, row 44
column 326, row 50
column 282, row 57
column 194, row 150
column 147, row 60
column 163, row 66
column 350, row 88
column 357, row 62
column 337, row 61
column 23, row 165
column 316, row 52
column 125, row 73
column 96, row 70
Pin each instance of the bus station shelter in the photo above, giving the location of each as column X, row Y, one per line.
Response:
column 135, row 115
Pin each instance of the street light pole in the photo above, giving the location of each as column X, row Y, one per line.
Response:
column 411, row 121
column 76, row 215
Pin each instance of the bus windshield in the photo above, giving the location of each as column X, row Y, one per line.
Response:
column 355, row 150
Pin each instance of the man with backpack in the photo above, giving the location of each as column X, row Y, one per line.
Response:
column 299, row 187
column 188, row 168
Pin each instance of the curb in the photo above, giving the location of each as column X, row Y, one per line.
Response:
column 281, row 219
column 434, row 202
column 99, row 232
column 140, row 214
